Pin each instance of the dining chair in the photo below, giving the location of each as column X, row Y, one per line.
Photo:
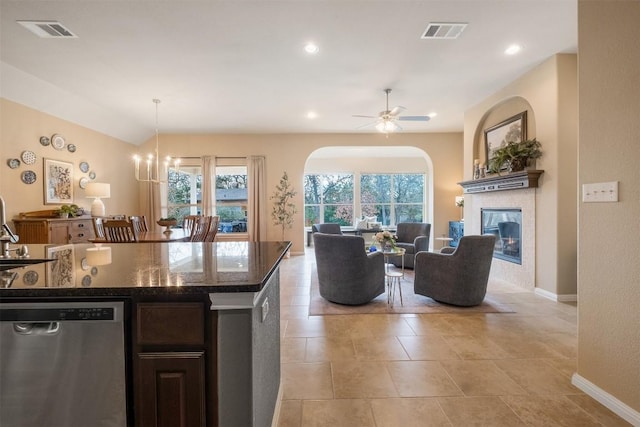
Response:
column 139, row 223
column 189, row 222
column 98, row 227
column 201, row 229
column 213, row 228
column 120, row 231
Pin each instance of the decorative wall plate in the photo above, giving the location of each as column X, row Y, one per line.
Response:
column 83, row 182
column 28, row 157
column 92, row 175
column 86, row 281
column 84, row 167
column 44, row 140
column 71, row 148
column 13, row 163
column 28, row 177
column 58, row 142
column 30, row 278
column 85, row 264
column 94, row 271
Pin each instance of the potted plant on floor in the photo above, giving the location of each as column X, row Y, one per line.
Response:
column 283, row 208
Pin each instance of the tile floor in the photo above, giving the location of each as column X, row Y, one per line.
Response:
column 384, row 370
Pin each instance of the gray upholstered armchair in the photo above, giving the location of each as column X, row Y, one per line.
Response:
column 327, row 228
column 413, row 237
column 347, row 274
column 456, row 276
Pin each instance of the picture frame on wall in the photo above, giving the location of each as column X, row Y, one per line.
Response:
column 513, row 129
column 61, row 273
column 58, row 182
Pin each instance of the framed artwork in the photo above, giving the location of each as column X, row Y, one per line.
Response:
column 61, row 272
column 58, row 182
column 514, row 129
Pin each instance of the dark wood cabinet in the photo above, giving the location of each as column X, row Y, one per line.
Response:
column 173, row 385
column 456, row 231
column 173, row 351
column 54, row 230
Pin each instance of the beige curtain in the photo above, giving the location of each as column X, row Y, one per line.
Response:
column 153, row 208
column 208, row 185
column 257, row 204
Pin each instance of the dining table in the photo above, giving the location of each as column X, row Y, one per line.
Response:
column 176, row 235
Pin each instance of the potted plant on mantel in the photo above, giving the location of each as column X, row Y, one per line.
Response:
column 283, row 208
column 515, row 156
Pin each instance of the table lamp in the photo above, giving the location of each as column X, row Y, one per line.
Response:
column 460, row 204
column 97, row 190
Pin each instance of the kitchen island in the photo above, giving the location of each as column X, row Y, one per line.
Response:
column 201, row 321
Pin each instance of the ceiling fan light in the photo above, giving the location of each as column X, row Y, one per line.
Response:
column 387, row 126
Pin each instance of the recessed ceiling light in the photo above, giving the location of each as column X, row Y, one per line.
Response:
column 432, row 115
column 312, row 115
column 311, row 48
column 513, row 49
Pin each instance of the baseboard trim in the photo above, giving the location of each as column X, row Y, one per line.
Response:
column 621, row 409
column 556, row 297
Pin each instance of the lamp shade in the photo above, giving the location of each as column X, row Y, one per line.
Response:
column 98, row 189
column 99, row 256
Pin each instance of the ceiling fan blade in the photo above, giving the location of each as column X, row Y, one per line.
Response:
column 368, row 117
column 396, row 110
column 414, row 118
column 367, row 125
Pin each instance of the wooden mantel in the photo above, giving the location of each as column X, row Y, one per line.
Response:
column 511, row 181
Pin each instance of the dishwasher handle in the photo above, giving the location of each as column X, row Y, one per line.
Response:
column 36, row 328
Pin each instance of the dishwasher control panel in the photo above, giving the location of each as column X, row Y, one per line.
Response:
column 57, row 314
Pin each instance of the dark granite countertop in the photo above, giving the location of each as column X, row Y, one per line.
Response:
column 137, row 269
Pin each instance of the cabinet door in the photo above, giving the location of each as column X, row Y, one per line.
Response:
column 80, row 231
column 59, row 232
column 170, row 389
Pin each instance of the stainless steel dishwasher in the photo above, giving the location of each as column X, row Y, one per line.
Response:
column 62, row 364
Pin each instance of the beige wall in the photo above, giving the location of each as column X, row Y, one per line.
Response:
column 609, row 248
column 290, row 152
column 548, row 94
column 21, row 129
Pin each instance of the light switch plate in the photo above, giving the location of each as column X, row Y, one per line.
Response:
column 600, row 192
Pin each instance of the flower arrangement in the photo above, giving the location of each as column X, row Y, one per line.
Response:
column 384, row 239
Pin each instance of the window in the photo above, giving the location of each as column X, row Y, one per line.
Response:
column 184, row 195
column 328, row 199
column 391, row 198
column 184, row 191
column 231, row 198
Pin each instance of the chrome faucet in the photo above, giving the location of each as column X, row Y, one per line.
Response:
column 6, row 235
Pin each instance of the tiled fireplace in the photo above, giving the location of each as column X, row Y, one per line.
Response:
column 515, row 252
column 506, row 225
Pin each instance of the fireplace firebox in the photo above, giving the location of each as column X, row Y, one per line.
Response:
column 506, row 225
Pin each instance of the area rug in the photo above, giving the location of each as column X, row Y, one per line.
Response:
column 412, row 303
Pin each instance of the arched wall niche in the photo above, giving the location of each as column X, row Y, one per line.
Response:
column 501, row 111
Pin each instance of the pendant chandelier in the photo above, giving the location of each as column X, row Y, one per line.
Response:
column 154, row 172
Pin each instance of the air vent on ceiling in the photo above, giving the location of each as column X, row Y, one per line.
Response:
column 47, row 29
column 444, row 30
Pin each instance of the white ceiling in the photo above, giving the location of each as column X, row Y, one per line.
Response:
column 238, row 66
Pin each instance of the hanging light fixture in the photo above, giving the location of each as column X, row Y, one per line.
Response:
column 387, row 125
column 154, row 173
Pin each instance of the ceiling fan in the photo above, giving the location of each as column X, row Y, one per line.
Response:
column 386, row 120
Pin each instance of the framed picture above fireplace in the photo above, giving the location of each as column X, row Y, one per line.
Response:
column 513, row 129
